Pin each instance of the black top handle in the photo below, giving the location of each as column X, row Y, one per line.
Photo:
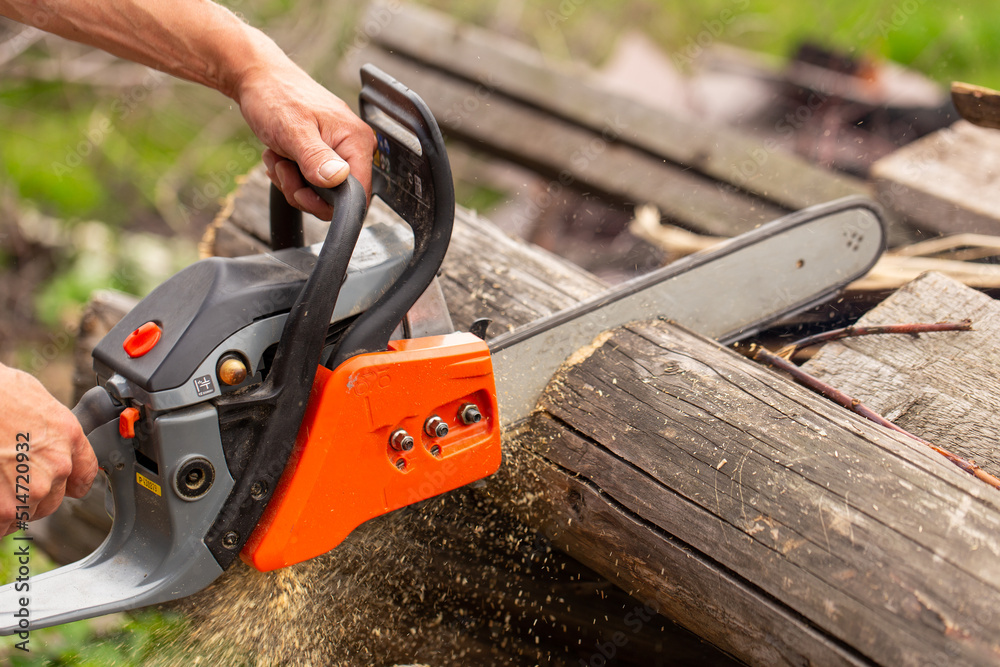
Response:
column 412, row 175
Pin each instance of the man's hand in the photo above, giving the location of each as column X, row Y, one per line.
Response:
column 302, row 122
column 60, row 460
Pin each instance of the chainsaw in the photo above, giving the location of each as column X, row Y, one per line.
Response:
column 263, row 407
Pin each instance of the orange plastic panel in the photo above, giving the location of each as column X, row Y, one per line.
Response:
column 344, row 470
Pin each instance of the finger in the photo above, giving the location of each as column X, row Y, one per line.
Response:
column 310, row 202
column 289, row 180
column 270, row 159
column 84, row 469
column 319, row 163
column 51, row 501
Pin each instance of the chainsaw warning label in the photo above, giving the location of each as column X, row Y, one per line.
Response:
column 204, row 385
column 148, row 483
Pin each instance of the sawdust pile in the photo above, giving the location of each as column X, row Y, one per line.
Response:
column 451, row 581
column 424, row 584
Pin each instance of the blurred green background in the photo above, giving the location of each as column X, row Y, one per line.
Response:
column 110, row 173
column 87, row 138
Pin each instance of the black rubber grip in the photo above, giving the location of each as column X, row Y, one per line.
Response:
column 286, row 222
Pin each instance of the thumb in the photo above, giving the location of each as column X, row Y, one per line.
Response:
column 320, row 164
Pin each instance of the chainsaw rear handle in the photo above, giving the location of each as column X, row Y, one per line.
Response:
column 96, row 409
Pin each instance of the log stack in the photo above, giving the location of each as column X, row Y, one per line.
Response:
column 663, row 481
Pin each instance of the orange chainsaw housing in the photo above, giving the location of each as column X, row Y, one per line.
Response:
column 344, row 469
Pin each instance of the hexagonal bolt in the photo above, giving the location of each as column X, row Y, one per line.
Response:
column 258, row 490
column 470, row 414
column 435, row 427
column 401, row 441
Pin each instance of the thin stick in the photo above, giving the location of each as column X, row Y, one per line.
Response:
column 853, row 404
column 850, row 332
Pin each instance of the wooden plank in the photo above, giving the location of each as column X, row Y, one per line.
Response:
column 574, row 156
column 574, row 94
column 848, row 527
column 944, row 182
column 941, row 387
column 977, row 104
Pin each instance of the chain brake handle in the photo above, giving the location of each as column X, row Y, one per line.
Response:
column 411, row 174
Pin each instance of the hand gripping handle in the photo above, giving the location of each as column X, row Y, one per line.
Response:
column 147, row 557
column 412, row 175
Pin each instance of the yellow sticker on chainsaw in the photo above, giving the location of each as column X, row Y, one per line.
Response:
column 148, row 483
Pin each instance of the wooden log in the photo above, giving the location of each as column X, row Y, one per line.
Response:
column 943, row 182
column 941, row 387
column 977, row 104
column 780, row 527
column 574, row 95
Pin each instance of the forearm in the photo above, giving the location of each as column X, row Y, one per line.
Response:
column 197, row 40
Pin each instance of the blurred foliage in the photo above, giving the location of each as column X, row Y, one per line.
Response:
column 944, row 40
